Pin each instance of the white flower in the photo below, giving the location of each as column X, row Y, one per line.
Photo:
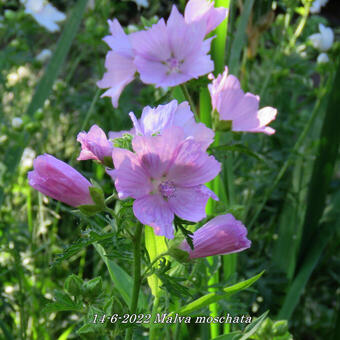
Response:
column 17, row 122
column 316, row 6
column 323, row 41
column 322, row 58
column 27, row 158
column 44, row 55
column 44, row 13
column 141, row 3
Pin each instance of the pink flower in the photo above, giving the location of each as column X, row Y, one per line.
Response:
column 241, row 109
column 155, row 120
column 204, row 10
column 166, row 54
column 119, row 63
column 56, row 179
column 165, row 176
column 173, row 53
column 221, row 235
column 94, row 145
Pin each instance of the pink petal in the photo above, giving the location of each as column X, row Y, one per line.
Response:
column 154, row 211
column 94, row 144
column 130, row 178
column 203, row 10
column 156, row 153
column 60, row 181
column 222, row 235
column 152, row 44
column 192, row 166
column 118, row 40
column 189, row 203
column 150, row 71
column 184, row 39
column 120, row 72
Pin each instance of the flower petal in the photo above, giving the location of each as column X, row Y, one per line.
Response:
column 189, row 203
column 192, row 166
column 120, row 72
column 154, row 211
column 130, row 178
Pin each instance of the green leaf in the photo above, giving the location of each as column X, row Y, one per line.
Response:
column 62, row 303
column 155, row 245
column 210, row 298
column 254, row 326
column 81, row 243
column 93, row 288
column 97, row 196
column 74, row 285
column 220, row 151
column 240, row 37
column 89, row 210
column 231, row 336
column 122, row 281
column 66, row 333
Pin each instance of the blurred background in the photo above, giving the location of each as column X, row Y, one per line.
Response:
column 286, row 188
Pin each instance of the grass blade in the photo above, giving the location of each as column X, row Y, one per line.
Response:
column 323, row 167
column 45, row 85
column 240, row 37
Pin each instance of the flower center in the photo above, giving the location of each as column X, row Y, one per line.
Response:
column 174, row 65
column 167, row 189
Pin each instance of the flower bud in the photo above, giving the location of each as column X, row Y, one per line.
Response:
column 222, row 235
column 94, row 145
column 56, row 179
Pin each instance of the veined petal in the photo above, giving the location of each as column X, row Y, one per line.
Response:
column 154, row 211
column 189, row 203
column 152, row 44
column 156, row 153
column 130, row 178
column 118, row 40
column 192, row 166
column 121, row 71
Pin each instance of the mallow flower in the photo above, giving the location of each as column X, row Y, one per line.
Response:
column 119, row 63
column 58, row 180
column 44, row 13
column 241, row 109
column 165, row 175
column 322, row 41
column 94, row 145
column 221, row 235
column 204, row 10
column 166, row 54
column 155, row 120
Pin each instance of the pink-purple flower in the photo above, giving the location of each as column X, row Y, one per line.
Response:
column 94, row 145
column 166, row 54
column 154, row 120
column 221, row 235
column 204, row 10
column 165, row 175
column 56, row 179
column 242, row 109
column 119, row 63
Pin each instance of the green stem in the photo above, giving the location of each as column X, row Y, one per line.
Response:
column 300, row 26
column 110, row 211
column 152, row 264
column 190, row 100
column 136, row 275
column 152, row 334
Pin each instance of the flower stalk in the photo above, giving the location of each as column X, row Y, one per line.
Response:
column 136, row 275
